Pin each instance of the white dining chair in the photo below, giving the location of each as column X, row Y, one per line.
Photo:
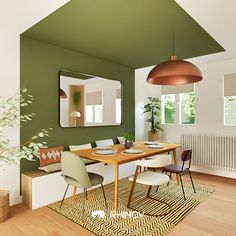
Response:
column 75, row 174
column 121, row 139
column 150, row 177
column 104, row 142
column 82, row 147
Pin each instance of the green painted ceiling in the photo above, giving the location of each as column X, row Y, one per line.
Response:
column 134, row 33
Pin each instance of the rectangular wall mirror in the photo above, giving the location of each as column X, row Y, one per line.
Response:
column 87, row 100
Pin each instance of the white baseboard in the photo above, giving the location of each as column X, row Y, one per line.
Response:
column 222, row 173
column 15, row 200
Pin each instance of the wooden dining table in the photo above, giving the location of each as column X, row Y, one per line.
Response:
column 120, row 158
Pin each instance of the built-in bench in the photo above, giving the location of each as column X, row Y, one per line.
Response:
column 40, row 188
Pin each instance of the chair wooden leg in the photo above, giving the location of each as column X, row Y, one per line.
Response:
column 132, row 187
column 64, row 195
column 104, row 196
column 182, row 186
column 190, row 175
column 74, row 193
column 149, row 191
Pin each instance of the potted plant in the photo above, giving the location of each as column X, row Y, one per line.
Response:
column 153, row 109
column 10, row 117
column 76, row 98
column 129, row 141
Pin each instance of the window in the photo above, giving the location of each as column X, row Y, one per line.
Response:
column 89, row 113
column 168, row 109
column 94, row 107
column 98, row 113
column 94, row 114
column 187, row 108
column 118, row 110
column 230, row 99
column 118, row 106
column 230, row 110
column 178, row 94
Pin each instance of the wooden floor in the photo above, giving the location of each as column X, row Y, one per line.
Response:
column 215, row 216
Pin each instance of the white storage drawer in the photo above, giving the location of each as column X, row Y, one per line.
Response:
column 40, row 188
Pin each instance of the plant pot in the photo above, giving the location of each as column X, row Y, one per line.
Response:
column 128, row 144
column 4, row 205
column 154, row 136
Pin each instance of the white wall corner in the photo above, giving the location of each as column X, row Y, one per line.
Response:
column 16, row 17
column 143, row 90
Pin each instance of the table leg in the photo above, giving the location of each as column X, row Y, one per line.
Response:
column 74, row 192
column 116, row 186
column 175, row 162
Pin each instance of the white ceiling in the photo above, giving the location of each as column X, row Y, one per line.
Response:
column 218, row 18
column 19, row 16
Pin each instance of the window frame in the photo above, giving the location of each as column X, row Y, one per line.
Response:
column 180, row 110
column 177, row 116
column 163, row 110
column 93, row 113
column 224, row 124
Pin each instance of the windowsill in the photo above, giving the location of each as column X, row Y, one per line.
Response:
column 187, row 124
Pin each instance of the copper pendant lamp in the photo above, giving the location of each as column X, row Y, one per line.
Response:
column 62, row 94
column 174, row 72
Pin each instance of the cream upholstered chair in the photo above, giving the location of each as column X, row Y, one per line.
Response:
column 81, row 147
column 75, row 174
column 149, row 177
column 104, row 142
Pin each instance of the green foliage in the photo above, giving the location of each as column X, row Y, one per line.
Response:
column 76, row 97
column 188, row 107
column 169, row 110
column 129, row 137
column 230, row 99
column 230, row 108
column 153, row 109
column 10, row 117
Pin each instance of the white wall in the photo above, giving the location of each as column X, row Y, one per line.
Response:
column 16, row 17
column 209, row 102
column 142, row 91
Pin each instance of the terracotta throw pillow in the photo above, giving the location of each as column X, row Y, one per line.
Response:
column 49, row 156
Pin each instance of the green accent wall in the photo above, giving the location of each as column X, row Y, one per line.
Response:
column 40, row 64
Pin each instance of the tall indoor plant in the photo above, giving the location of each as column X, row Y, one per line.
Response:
column 10, row 117
column 153, row 109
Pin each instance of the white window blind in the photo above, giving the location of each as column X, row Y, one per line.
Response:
column 94, row 98
column 230, row 85
column 176, row 89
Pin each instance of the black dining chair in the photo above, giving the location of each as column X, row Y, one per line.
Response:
column 181, row 169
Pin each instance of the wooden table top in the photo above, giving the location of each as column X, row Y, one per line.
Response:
column 121, row 158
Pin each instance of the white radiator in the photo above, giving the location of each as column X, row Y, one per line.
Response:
column 213, row 152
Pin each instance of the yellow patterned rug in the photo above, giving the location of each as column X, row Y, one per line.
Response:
column 133, row 222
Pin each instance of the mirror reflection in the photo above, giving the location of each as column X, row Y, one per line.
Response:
column 88, row 100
